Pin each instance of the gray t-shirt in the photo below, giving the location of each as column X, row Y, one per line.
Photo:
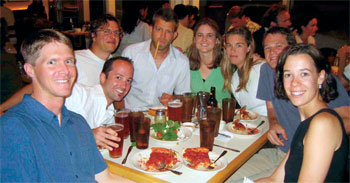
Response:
column 287, row 114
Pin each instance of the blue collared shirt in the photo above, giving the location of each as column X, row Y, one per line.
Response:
column 34, row 148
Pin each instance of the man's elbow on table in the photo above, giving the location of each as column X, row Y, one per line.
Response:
column 107, row 176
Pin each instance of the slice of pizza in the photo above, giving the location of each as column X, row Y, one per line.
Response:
column 239, row 128
column 197, row 157
column 161, row 159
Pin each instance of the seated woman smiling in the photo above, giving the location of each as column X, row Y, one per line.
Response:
column 319, row 147
column 205, row 56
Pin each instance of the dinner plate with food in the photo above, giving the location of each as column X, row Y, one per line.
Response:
column 156, row 160
column 245, row 115
column 243, row 129
column 200, row 159
column 169, row 132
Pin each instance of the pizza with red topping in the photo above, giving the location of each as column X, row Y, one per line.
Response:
column 197, row 157
column 161, row 159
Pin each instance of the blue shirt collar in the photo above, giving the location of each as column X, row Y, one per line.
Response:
column 39, row 110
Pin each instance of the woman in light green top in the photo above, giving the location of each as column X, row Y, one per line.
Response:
column 205, row 56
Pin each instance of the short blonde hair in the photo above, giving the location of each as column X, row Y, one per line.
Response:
column 32, row 45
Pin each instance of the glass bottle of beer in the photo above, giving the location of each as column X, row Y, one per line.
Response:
column 212, row 102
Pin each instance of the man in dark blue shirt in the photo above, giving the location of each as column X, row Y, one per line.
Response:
column 42, row 141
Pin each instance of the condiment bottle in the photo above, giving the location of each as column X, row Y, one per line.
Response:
column 212, row 102
column 160, row 116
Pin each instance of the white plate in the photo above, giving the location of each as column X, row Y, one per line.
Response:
column 253, row 115
column 220, row 164
column 229, row 127
column 183, row 135
column 139, row 162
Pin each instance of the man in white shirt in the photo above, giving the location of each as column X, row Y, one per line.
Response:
column 105, row 35
column 158, row 72
column 95, row 103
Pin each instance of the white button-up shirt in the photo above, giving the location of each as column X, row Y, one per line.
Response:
column 91, row 103
column 173, row 76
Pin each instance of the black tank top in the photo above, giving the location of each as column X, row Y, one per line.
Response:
column 337, row 168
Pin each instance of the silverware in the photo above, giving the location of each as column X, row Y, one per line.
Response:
column 173, row 171
column 261, row 123
column 212, row 165
column 235, row 150
column 127, row 154
column 224, row 135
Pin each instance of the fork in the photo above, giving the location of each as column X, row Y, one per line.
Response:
column 212, row 165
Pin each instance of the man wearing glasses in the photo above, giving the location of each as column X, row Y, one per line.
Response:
column 105, row 36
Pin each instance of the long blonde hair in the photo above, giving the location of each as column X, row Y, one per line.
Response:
column 228, row 69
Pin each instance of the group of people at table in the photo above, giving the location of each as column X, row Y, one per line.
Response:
column 47, row 135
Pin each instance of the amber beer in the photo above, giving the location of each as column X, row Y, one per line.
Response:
column 121, row 117
column 175, row 110
column 117, row 152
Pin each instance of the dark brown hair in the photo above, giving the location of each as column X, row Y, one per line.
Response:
column 328, row 91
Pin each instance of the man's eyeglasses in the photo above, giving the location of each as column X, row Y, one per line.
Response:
column 109, row 32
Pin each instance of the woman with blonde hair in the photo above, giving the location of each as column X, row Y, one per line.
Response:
column 241, row 72
column 205, row 56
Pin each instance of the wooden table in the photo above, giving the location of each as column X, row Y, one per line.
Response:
column 248, row 147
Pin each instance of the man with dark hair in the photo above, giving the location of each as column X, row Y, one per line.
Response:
column 41, row 140
column 237, row 18
column 193, row 16
column 95, row 103
column 160, row 68
column 184, row 35
column 276, row 16
column 105, row 36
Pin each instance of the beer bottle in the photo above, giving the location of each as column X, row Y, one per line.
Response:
column 212, row 102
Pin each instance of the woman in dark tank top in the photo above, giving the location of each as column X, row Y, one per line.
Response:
column 320, row 146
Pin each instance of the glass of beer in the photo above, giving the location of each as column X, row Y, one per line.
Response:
column 142, row 133
column 206, row 134
column 134, row 118
column 175, row 110
column 214, row 116
column 228, row 109
column 117, row 152
column 121, row 117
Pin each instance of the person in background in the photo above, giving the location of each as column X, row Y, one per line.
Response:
column 95, row 103
column 184, row 34
column 41, row 140
column 135, row 29
column 205, row 56
column 304, row 78
column 159, row 68
column 11, row 79
column 238, row 18
column 343, row 56
column 276, row 16
column 194, row 16
column 240, row 71
column 104, row 32
column 306, row 25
